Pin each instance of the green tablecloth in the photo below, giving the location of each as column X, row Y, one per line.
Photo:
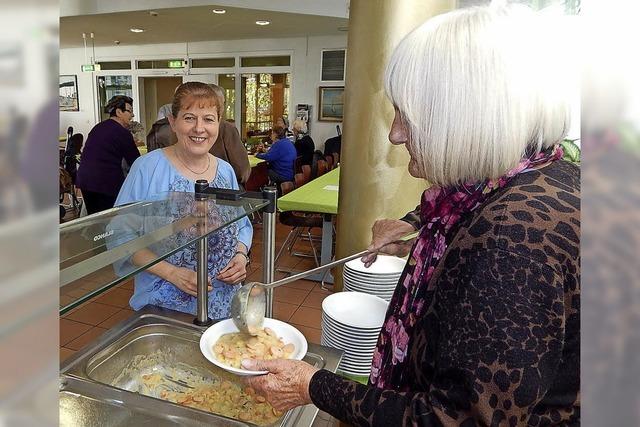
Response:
column 357, row 378
column 319, row 195
column 254, row 161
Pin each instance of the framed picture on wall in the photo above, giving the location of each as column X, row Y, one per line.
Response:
column 68, row 93
column 331, row 104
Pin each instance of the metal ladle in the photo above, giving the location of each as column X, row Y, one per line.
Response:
column 248, row 305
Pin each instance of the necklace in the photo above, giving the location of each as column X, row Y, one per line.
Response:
column 192, row 171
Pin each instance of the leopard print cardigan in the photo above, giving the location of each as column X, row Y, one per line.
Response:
column 499, row 344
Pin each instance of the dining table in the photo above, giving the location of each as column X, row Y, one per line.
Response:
column 259, row 174
column 319, row 195
column 254, row 161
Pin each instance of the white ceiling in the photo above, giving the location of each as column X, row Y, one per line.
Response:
column 191, row 24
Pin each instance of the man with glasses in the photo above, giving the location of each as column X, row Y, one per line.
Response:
column 109, row 146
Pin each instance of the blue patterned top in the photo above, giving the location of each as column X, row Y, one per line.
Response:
column 153, row 174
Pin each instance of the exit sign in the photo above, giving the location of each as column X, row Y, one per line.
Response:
column 91, row 67
column 176, row 64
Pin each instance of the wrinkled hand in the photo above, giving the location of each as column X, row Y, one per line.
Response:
column 287, row 383
column 235, row 271
column 186, row 280
column 385, row 231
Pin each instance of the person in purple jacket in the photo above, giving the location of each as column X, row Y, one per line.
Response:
column 100, row 174
column 281, row 156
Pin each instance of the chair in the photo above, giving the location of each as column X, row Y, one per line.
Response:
column 70, row 166
column 286, row 187
column 298, row 223
column 298, row 179
column 322, row 167
column 297, row 165
column 306, row 171
column 336, row 159
column 329, row 159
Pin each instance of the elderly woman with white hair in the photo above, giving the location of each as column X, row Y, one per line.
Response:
column 483, row 327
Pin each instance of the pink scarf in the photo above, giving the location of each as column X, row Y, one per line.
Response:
column 440, row 210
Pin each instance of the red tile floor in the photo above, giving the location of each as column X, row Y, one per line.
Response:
column 298, row 303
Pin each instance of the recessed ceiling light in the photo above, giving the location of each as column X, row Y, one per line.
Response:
column 219, row 11
column 263, row 22
column 136, row 30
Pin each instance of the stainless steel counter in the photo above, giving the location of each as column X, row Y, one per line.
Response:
column 96, row 389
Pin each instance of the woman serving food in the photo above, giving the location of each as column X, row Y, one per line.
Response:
column 483, row 327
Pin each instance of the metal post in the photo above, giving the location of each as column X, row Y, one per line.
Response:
column 269, row 244
column 202, row 249
column 202, row 309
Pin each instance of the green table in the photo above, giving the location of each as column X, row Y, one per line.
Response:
column 317, row 196
column 254, row 161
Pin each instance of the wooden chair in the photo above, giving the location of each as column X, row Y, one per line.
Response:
column 329, row 160
column 322, row 167
column 297, row 165
column 287, row 187
column 299, row 180
column 336, row 159
column 306, row 171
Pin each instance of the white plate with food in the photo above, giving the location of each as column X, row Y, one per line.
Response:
column 225, row 346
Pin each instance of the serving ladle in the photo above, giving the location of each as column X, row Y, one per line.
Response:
column 248, row 305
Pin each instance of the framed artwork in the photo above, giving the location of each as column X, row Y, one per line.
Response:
column 68, row 93
column 331, row 104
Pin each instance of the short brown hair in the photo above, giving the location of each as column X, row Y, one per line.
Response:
column 197, row 91
column 279, row 131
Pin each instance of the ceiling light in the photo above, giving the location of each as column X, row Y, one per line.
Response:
column 219, row 11
column 263, row 22
column 136, row 30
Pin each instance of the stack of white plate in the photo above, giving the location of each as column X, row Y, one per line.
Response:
column 351, row 322
column 380, row 279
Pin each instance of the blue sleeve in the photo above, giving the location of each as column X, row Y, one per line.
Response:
column 274, row 152
column 135, row 186
column 128, row 226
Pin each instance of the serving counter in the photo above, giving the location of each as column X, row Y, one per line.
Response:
column 148, row 369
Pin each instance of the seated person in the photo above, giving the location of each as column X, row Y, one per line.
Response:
column 332, row 145
column 281, row 156
column 172, row 283
column 303, row 142
column 284, row 122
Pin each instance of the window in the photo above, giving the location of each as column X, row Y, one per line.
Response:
column 213, row 62
column 110, row 86
column 266, row 61
column 333, row 65
column 160, row 63
column 115, row 65
column 265, row 98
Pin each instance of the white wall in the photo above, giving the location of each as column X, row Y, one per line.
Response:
column 305, row 70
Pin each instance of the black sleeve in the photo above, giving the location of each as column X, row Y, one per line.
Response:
column 129, row 149
column 413, row 218
column 499, row 344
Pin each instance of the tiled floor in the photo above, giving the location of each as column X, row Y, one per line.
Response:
column 298, row 303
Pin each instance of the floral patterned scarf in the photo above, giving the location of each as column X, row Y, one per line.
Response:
column 440, row 210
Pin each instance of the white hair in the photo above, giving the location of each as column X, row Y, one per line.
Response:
column 300, row 125
column 478, row 89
